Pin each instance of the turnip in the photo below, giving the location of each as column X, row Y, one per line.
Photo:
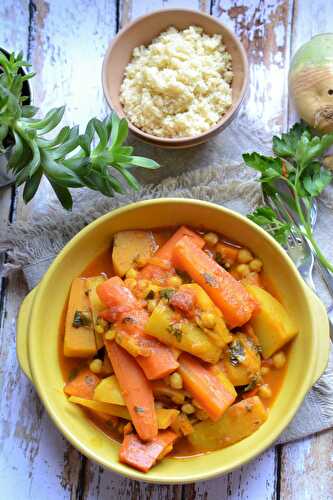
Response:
column 311, row 82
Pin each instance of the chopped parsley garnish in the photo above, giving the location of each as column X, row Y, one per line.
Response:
column 176, row 330
column 167, row 293
column 253, row 383
column 210, row 280
column 236, row 353
column 81, row 318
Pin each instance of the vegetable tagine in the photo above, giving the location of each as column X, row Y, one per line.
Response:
column 174, row 345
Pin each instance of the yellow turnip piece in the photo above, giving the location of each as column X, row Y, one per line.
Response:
column 272, row 324
column 79, row 339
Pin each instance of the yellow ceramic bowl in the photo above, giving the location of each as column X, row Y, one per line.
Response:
column 38, row 328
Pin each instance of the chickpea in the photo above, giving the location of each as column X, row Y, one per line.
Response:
column 279, row 359
column 188, row 409
column 130, row 283
column 265, row 370
column 132, row 273
column 178, row 399
column 243, row 270
column 96, row 366
column 176, row 380
column 142, row 284
column 110, row 334
column 174, row 281
column 265, row 391
column 151, row 304
column 256, row 265
column 201, row 414
column 211, row 238
column 244, row 256
column 208, row 320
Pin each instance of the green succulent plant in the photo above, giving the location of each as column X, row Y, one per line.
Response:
column 67, row 159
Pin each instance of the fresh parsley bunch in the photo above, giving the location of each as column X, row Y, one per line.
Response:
column 68, row 159
column 296, row 176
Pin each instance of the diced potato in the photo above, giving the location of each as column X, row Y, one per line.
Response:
column 205, row 303
column 79, row 339
column 165, row 417
column 99, row 406
column 108, row 391
column 130, row 247
column 272, row 324
column 96, row 305
column 183, row 335
column 238, row 422
column 241, row 361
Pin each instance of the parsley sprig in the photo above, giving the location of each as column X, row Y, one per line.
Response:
column 296, row 176
column 68, row 159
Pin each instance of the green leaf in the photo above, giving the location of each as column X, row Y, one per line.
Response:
column 29, row 111
column 60, row 174
column 63, row 195
column 16, row 153
column 81, row 166
column 31, row 185
column 68, row 146
column 268, row 220
column 115, row 121
column 59, row 139
column 122, row 133
column 130, row 179
column 48, row 123
column 309, row 149
column 102, row 134
column 316, row 179
column 286, row 145
column 138, row 161
column 34, row 163
column 270, row 168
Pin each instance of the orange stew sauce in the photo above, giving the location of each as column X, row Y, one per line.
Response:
column 102, row 264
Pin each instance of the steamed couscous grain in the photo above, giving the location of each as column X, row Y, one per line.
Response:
column 179, row 85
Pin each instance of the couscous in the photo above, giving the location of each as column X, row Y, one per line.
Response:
column 179, row 85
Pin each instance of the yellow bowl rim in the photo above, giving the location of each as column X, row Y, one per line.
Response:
column 116, row 466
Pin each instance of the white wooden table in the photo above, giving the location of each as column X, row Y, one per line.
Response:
column 65, row 40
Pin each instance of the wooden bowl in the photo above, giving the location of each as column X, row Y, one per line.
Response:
column 141, row 32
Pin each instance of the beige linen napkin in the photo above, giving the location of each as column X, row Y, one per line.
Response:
column 32, row 245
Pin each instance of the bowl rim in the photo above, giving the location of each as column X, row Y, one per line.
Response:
column 88, row 451
column 178, row 141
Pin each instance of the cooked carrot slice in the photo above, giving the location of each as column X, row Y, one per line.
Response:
column 156, row 359
column 136, row 391
column 143, row 456
column 165, row 253
column 213, row 393
column 228, row 294
column 83, row 385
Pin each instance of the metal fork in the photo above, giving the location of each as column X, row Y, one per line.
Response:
column 300, row 249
